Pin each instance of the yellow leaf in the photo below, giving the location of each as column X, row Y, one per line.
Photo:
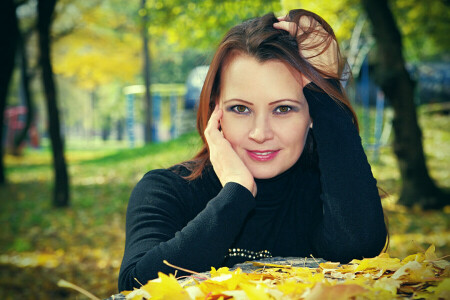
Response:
column 220, row 271
column 292, row 287
column 381, row 262
column 195, row 292
column 257, row 292
column 388, row 284
column 165, row 287
column 430, row 253
column 209, row 286
column 419, row 257
column 301, row 272
column 413, row 272
column 443, row 286
column 348, row 268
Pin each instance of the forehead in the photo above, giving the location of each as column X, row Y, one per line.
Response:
column 245, row 77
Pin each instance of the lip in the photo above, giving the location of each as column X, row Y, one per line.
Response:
column 262, row 155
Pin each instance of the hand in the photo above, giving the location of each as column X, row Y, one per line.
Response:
column 226, row 163
column 318, row 46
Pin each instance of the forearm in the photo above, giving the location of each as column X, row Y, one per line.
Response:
column 353, row 223
column 202, row 243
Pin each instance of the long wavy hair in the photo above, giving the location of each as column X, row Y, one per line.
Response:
column 259, row 39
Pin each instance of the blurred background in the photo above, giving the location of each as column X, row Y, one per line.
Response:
column 93, row 94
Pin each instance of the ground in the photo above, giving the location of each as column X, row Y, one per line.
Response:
column 83, row 244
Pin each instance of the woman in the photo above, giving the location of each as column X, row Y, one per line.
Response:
column 282, row 171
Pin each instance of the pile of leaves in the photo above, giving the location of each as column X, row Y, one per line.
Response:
column 418, row 276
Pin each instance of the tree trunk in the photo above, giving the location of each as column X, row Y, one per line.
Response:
column 61, row 188
column 25, row 86
column 148, row 134
column 417, row 186
column 9, row 33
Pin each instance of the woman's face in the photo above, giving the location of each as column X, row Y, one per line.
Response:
column 265, row 114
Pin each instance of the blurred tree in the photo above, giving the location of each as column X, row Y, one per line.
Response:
column 417, row 186
column 424, row 28
column 424, row 24
column 45, row 10
column 27, row 72
column 201, row 24
column 104, row 46
column 148, row 109
column 9, row 33
column 25, row 78
column 103, row 52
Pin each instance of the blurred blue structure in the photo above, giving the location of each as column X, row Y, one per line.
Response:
column 433, row 81
column 130, row 92
column 163, row 100
column 156, row 111
column 173, row 113
column 130, row 119
column 194, row 84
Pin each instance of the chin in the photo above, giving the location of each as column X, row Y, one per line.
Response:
column 264, row 174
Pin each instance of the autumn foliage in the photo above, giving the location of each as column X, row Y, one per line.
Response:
column 418, row 276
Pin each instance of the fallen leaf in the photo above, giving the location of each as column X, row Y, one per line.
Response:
column 430, row 253
column 388, row 284
column 413, row 271
column 381, row 262
column 165, row 287
column 322, row 291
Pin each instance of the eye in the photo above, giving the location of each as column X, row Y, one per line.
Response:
column 283, row 109
column 240, row 109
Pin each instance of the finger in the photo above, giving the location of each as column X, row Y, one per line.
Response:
column 213, row 117
column 212, row 132
column 290, row 27
column 282, row 18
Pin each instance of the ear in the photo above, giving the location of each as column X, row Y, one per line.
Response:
column 311, row 124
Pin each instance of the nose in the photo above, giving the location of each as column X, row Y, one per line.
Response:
column 261, row 130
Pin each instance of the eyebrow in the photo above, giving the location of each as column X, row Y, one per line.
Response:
column 271, row 103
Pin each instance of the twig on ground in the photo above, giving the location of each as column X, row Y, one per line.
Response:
column 66, row 284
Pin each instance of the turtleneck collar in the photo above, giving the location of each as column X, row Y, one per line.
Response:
column 273, row 191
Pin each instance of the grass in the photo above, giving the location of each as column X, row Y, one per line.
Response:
column 84, row 243
column 412, row 230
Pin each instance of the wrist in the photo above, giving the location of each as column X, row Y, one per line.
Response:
column 249, row 185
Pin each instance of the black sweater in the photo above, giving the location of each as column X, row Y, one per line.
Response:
column 330, row 209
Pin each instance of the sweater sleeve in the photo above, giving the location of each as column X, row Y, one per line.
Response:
column 352, row 225
column 157, row 227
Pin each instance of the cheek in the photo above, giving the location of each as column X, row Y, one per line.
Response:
column 233, row 130
column 294, row 133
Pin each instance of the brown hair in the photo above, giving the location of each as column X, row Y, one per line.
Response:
column 259, row 39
